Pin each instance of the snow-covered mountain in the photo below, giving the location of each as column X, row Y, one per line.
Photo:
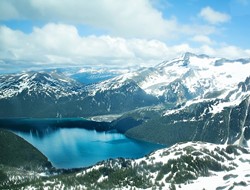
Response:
column 36, row 94
column 189, row 76
column 199, row 74
column 202, row 98
column 172, row 82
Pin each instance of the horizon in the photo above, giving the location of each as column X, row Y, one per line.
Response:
column 119, row 70
column 40, row 34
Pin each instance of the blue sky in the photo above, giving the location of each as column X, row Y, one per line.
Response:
column 45, row 33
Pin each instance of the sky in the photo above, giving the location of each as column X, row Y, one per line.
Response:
column 119, row 33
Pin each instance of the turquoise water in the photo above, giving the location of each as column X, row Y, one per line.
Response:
column 75, row 147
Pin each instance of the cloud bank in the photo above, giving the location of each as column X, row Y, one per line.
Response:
column 61, row 44
column 130, row 18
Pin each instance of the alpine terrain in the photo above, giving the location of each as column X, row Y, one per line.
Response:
column 196, row 105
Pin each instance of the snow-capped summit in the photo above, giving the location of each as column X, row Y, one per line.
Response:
column 199, row 74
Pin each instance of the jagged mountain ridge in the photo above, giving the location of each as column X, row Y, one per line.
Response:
column 185, row 78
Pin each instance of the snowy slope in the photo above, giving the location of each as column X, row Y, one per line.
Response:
column 111, row 84
column 189, row 166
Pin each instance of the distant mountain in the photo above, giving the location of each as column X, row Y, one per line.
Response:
column 38, row 84
column 89, row 75
column 190, row 165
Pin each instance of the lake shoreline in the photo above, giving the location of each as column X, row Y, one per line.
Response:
column 73, row 143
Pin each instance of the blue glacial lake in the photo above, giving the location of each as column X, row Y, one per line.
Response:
column 77, row 147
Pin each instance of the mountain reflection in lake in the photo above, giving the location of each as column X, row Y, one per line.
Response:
column 75, row 147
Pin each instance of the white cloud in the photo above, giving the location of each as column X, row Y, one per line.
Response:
column 213, row 17
column 233, row 52
column 202, row 39
column 206, row 49
column 60, row 45
column 130, row 18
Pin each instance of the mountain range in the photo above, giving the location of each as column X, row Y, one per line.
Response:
column 194, row 97
column 195, row 104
